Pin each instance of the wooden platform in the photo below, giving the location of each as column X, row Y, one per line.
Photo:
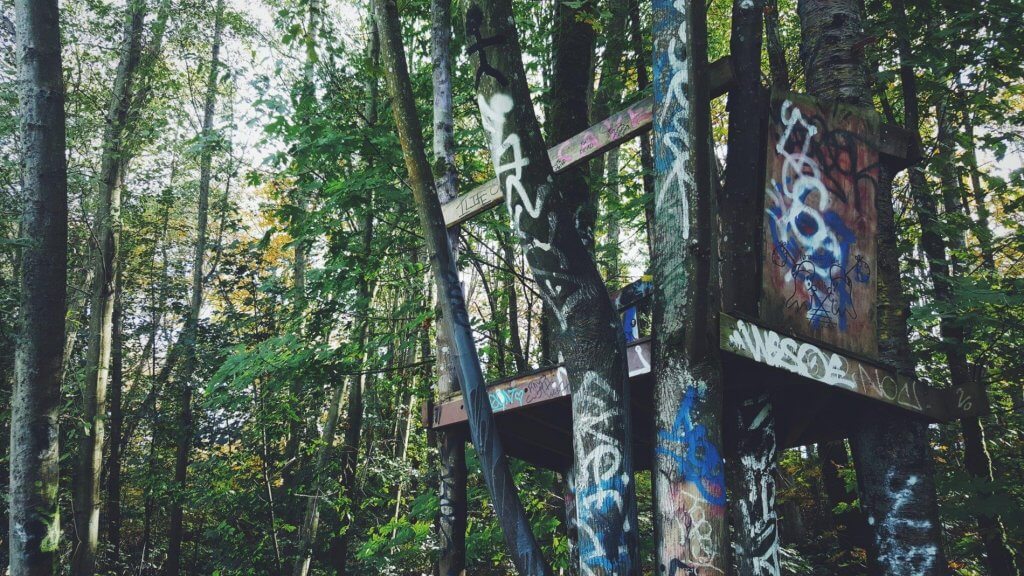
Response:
column 819, row 394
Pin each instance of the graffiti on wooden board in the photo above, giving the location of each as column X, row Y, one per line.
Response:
column 820, row 222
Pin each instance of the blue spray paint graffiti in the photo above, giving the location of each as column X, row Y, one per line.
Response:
column 698, row 459
column 811, row 242
column 629, row 324
column 602, row 551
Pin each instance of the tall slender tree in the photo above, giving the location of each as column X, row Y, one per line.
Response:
column 942, row 271
column 688, row 471
column 35, row 400
column 753, row 469
column 105, row 279
column 190, row 331
column 451, row 521
column 519, row 540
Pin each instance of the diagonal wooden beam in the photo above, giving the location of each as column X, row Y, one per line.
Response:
column 599, row 138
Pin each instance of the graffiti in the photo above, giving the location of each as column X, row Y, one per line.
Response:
column 504, row 399
column 698, row 460
column 640, row 352
column 895, row 555
column 757, row 544
column 691, row 528
column 474, row 20
column 810, row 361
column 602, row 480
column 963, row 400
column 811, row 242
column 601, row 136
column 630, row 327
column 562, row 292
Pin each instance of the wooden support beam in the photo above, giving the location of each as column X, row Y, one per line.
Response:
column 809, row 361
column 598, row 139
column 844, row 371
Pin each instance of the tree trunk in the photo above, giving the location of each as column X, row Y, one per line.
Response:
column 191, row 328
column 451, row 445
column 519, row 540
column 35, row 400
column 753, row 469
column 978, row 461
column 572, row 53
column 982, row 227
column 113, row 503
column 607, row 95
column 299, row 252
column 105, row 279
column 776, row 51
column 311, row 519
column 509, row 286
column 688, row 472
column 588, row 332
column 646, row 156
column 354, row 417
column 613, row 199
column 892, row 457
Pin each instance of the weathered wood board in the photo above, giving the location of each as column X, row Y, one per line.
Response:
column 820, row 226
column 809, row 361
column 599, row 138
column 534, row 389
column 842, row 371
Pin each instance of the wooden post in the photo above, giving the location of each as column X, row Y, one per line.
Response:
column 688, row 472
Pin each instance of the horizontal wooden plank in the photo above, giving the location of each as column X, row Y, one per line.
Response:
column 599, row 138
column 808, row 360
column 818, row 363
column 534, row 389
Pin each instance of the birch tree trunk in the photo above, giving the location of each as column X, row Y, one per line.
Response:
column 588, row 332
column 688, row 472
column 451, row 444
column 113, row 503
column 34, row 514
column 892, row 456
column 191, row 328
column 519, row 540
column 105, row 279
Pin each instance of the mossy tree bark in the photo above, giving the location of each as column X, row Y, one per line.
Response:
column 519, row 540
column 34, row 515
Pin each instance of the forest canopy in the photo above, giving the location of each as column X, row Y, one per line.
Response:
column 229, row 327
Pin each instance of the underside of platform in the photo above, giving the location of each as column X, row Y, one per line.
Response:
column 818, row 394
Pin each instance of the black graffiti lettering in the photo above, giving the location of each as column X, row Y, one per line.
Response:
column 474, row 20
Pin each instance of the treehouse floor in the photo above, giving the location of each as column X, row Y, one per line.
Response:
column 818, row 394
